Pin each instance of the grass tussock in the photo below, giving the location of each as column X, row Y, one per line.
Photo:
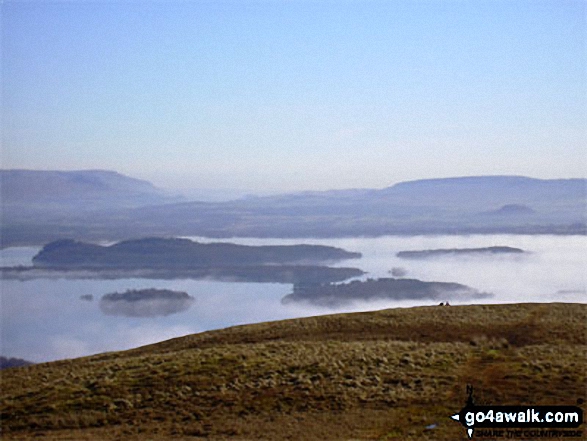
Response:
column 375, row 376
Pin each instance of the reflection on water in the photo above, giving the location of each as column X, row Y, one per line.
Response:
column 46, row 319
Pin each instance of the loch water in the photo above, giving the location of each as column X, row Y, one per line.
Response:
column 49, row 319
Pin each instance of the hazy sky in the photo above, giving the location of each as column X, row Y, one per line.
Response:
column 287, row 95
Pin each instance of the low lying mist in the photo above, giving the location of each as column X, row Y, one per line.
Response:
column 44, row 319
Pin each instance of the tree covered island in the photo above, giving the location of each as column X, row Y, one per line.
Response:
column 333, row 295
column 424, row 254
column 181, row 254
column 159, row 258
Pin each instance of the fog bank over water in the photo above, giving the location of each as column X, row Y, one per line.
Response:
column 551, row 263
column 44, row 319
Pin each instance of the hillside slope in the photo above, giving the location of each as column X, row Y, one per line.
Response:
column 392, row 374
column 72, row 188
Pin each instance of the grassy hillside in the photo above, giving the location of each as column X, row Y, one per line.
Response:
column 373, row 376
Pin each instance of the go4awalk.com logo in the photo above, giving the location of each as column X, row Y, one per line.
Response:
column 522, row 418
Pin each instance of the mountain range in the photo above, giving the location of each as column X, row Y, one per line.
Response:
column 41, row 206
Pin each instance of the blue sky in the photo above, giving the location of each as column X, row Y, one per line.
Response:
column 293, row 95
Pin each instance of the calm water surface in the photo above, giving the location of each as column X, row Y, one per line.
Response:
column 47, row 319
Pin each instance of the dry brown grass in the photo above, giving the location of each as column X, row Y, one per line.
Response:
column 374, row 376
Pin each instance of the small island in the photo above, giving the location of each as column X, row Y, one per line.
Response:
column 333, row 295
column 424, row 254
column 160, row 258
column 254, row 274
column 145, row 302
column 157, row 253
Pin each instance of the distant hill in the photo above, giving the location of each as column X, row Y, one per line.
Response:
column 76, row 188
column 11, row 362
column 478, row 192
column 436, row 206
column 512, row 210
column 43, row 205
column 391, row 374
column 108, row 206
